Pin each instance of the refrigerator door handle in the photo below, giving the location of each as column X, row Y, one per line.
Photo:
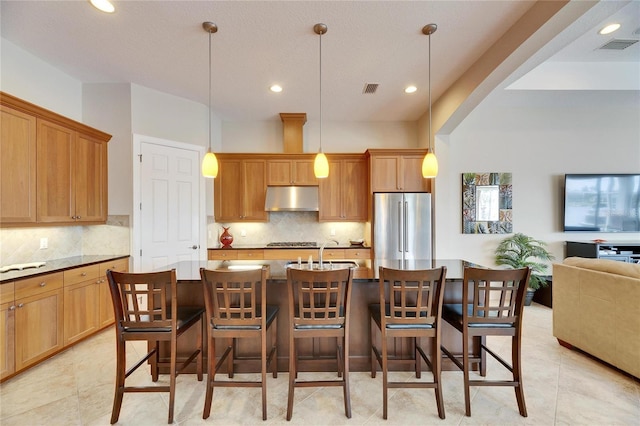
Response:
column 406, row 226
column 400, row 226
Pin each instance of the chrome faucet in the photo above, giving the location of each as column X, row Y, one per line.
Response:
column 322, row 249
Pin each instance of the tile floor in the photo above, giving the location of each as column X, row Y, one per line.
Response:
column 562, row 387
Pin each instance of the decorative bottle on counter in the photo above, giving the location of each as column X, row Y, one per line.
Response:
column 226, row 238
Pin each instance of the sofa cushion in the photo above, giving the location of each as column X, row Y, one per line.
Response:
column 605, row 265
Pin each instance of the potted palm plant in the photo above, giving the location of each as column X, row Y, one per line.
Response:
column 520, row 250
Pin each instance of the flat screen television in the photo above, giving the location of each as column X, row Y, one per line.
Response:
column 602, row 202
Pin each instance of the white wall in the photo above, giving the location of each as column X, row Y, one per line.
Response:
column 538, row 137
column 108, row 107
column 336, row 136
column 30, row 78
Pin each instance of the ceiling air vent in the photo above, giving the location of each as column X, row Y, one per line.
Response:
column 618, row 44
column 370, row 88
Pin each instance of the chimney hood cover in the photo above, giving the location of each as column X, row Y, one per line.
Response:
column 292, row 199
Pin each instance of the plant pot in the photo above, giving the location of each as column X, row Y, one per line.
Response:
column 528, row 297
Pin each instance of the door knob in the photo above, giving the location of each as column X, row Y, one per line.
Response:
column 195, row 247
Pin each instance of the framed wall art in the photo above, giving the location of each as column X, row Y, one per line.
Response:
column 487, row 203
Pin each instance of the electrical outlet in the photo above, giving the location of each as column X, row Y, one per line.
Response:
column 44, row 243
column 243, row 232
column 332, row 232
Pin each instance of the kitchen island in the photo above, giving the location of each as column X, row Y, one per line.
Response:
column 365, row 292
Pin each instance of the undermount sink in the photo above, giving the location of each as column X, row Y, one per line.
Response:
column 328, row 265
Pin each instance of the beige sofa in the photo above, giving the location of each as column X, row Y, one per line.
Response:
column 596, row 308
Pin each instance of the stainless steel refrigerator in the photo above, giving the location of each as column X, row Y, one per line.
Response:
column 401, row 229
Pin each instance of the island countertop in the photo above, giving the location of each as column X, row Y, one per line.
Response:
column 190, row 270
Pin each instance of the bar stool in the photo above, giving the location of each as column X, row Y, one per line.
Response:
column 410, row 306
column 492, row 305
column 236, row 307
column 319, row 307
column 143, row 312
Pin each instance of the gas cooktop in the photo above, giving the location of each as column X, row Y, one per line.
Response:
column 293, row 244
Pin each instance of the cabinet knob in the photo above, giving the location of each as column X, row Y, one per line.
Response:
column 84, row 274
column 20, row 305
column 12, row 307
column 42, row 284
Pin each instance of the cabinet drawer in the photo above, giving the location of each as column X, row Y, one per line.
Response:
column 119, row 265
column 250, row 254
column 83, row 273
column 6, row 293
column 360, row 253
column 37, row 285
column 333, row 254
column 223, row 254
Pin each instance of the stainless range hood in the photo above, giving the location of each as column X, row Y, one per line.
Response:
column 292, row 199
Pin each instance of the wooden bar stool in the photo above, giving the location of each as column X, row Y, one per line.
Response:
column 236, row 304
column 410, row 306
column 319, row 307
column 143, row 312
column 493, row 304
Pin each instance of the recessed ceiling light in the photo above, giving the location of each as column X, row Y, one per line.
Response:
column 103, row 5
column 609, row 29
column 410, row 89
column 276, row 88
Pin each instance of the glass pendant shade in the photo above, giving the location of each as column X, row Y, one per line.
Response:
column 321, row 166
column 210, row 165
column 429, row 165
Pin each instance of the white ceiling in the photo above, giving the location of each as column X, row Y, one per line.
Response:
column 161, row 45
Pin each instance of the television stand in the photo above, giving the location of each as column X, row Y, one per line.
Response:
column 622, row 251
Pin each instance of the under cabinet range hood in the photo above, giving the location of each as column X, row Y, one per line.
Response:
column 291, row 199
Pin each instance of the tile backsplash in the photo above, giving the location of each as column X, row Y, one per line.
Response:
column 286, row 226
column 21, row 245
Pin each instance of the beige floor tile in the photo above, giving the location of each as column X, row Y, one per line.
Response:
column 562, row 387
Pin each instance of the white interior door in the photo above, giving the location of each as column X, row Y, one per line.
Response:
column 169, row 205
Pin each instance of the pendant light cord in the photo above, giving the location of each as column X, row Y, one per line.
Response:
column 209, row 120
column 430, row 150
column 320, row 97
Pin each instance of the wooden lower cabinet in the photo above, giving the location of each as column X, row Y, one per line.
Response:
column 38, row 318
column 7, row 330
column 81, row 302
column 106, row 315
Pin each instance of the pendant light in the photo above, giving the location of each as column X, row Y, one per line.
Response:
column 430, row 162
column 320, row 164
column 210, row 162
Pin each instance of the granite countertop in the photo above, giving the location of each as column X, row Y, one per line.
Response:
column 58, row 265
column 190, row 270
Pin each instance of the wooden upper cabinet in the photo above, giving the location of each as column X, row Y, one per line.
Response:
column 343, row 194
column 284, row 171
column 17, row 166
column 240, row 190
column 54, row 170
column 72, row 175
column 397, row 171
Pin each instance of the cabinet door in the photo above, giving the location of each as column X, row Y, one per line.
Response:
column 354, row 190
column 303, row 174
column 38, row 325
column 17, row 167
column 106, row 314
column 7, row 337
column 384, row 173
column 330, row 193
column 254, row 179
column 81, row 304
column 228, row 191
column 279, row 172
column 411, row 174
column 55, row 155
column 90, row 180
